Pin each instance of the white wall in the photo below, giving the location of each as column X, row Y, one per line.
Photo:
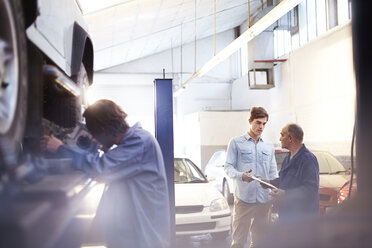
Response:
column 315, row 88
column 131, row 84
column 135, row 99
column 206, row 131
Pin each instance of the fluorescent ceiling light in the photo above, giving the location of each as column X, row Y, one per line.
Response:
column 90, row 6
column 280, row 10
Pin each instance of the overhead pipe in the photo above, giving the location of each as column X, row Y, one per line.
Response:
column 275, row 14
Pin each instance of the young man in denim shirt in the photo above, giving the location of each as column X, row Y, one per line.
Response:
column 246, row 154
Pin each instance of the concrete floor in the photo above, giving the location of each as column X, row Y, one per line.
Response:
column 202, row 241
column 80, row 233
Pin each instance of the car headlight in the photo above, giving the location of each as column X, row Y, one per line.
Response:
column 218, row 204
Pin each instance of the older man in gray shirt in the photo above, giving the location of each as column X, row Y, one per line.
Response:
column 250, row 154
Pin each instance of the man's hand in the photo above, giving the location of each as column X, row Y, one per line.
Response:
column 277, row 193
column 50, row 143
column 264, row 185
column 246, row 176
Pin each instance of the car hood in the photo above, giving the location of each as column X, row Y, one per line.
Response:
column 195, row 194
column 333, row 181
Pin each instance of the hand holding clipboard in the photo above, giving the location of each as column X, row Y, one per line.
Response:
column 263, row 183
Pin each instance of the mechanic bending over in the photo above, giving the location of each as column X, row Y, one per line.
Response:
column 134, row 210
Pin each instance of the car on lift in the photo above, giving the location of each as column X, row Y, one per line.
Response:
column 200, row 208
column 46, row 66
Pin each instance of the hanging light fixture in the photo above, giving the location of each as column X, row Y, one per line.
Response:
column 280, row 10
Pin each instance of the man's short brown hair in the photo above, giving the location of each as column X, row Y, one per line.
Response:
column 258, row 112
column 105, row 116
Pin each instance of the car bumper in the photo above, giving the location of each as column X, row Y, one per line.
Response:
column 203, row 222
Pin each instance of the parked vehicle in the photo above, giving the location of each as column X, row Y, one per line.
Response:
column 332, row 176
column 343, row 194
column 200, row 208
column 216, row 174
column 46, row 65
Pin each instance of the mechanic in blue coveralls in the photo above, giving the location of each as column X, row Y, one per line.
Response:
column 134, row 211
column 298, row 180
column 246, row 154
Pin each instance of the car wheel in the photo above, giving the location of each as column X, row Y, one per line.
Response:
column 13, row 79
column 226, row 192
column 220, row 235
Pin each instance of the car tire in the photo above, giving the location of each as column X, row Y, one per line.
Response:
column 227, row 193
column 13, row 79
column 220, row 235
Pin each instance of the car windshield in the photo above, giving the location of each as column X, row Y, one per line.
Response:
column 185, row 171
column 279, row 157
column 218, row 158
column 328, row 164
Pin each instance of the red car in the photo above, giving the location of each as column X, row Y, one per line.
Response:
column 343, row 194
column 332, row 176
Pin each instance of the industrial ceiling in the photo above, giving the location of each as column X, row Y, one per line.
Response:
column 126, row 30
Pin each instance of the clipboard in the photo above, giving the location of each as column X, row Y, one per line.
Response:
column 263, row 182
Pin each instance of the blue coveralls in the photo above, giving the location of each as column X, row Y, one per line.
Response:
column 299, row 177
column 134, row 211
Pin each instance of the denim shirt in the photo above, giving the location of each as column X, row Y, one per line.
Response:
column 244, row 153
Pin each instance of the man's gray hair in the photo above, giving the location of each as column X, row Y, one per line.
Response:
column 296, row 131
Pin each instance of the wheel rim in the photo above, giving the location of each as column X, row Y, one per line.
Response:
column 8, row 67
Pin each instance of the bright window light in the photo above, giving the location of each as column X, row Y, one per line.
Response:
column 321, row 17
column 311, row 20
column 342, row 11
column 89, row 6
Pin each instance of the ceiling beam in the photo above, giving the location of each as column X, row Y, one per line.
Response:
column 275, row 14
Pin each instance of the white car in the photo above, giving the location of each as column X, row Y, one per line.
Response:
column 200, row 208
column 214, row 170
column 46, row 63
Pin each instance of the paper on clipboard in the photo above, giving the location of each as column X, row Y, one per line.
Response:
column 263, row 182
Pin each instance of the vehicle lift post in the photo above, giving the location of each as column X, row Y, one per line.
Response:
column 164, row 134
